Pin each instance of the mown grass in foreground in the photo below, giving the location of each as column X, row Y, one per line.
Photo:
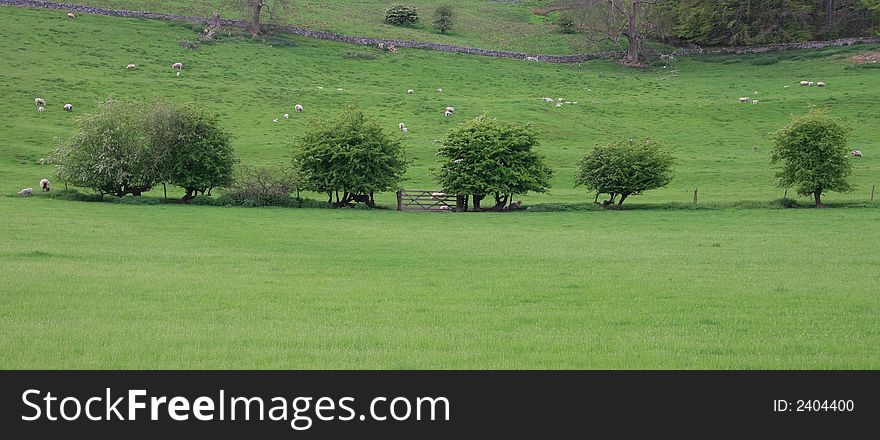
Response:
column 92, row 285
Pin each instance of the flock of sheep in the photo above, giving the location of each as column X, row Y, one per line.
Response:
column 559, row 101
column 44, row 185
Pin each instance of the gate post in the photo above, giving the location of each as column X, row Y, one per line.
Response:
column 400, row 200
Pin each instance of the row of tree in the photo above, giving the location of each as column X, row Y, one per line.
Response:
column 125, row 148
column 719, row 22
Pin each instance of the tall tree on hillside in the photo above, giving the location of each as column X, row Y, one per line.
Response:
column 632, row 19
column 276, row 9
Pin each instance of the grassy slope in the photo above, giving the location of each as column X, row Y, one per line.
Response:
column 195, row 287
column 479, row 23
column 696, row 111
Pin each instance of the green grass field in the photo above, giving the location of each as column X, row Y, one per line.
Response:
column 92, row 285
column 104, row 286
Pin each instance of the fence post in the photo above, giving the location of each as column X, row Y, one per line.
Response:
column 400, row 200
column 695, row 195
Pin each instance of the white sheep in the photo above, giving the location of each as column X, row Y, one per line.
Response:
column 320, row 88
column 820, row 84
column 448, row 113
column 44, row 185
column 404, row 130
column 178, row 66
column 39, row 102
column 178, row 74
column 41, row 109
column 440, row 90
column 559, row 104
column 450, row 109
column 755, row 101
column 68, row 107
column 287, row 116
column 548, row 99
column 131, row 66
column 805, row 83
column 71, row 15
column 401, row 125
column 298, row 108
column 811, row 84
column 856, row 153
column 275, row 120
column 410, row 92
column 26, row 192
column 744, row 99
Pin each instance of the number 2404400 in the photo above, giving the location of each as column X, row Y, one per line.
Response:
column 814, row 405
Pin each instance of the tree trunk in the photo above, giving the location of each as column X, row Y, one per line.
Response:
column 620, row 203
column 255, row 21
column 190, row 194
column 477, row 199
column 818, row 196
column 634, row 50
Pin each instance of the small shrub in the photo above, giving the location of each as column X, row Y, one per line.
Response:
column 311, row 203
column 444, row 16
column 202, row 201
column 132, row 200
column 189, row 44
column 401, row 15
column 74, row 196
column 566, row 24
column 786, row 203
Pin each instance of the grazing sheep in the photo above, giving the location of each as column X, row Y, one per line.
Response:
column 856, row 153
column 287, row 116
column 178, row 66
column 68, row 107
column 26, row 192
column 755, row 101
column 805, row 83
column 404, row 130
column 440, row 90
column 560, row 100
column 298, row 108
column 820, row 84
column 131, row 66
column 744, row 99
column 44, row 185
column 450, row 109
column 320, row 88
column 178, row 73
column 559, row 104
column 71, row 15
column 275, row 120
column 401, row 125
column 548, row 99
column 445, row 208
column 811, row 84
column 410, row 92
column 39, row 102
column 41, row 109
column 448, row 113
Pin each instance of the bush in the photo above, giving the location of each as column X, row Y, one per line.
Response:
column 73, row 195
column 261, row 187
column 202, row 201
column 566, row 24
column 131, row 200
column 444, row 16
column 401, row 15
column 625, row 168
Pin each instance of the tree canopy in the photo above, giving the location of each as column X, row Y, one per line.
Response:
column 350, row 154
column 813, row 155
column 625, row 168
column 484, row 156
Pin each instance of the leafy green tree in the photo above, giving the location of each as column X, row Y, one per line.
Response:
column 625, row 168
column 196, row 154
column 401, row 15
column 110, row 152
column 444, row 17
column 813, row 153
column 483, row 157
column 350, row 154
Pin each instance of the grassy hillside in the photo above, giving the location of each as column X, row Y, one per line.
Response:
column 98, row 285
column 482, row 23
column 692, row 105
column 91, row 285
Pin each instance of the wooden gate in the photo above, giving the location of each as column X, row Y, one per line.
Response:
column 425, row 200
